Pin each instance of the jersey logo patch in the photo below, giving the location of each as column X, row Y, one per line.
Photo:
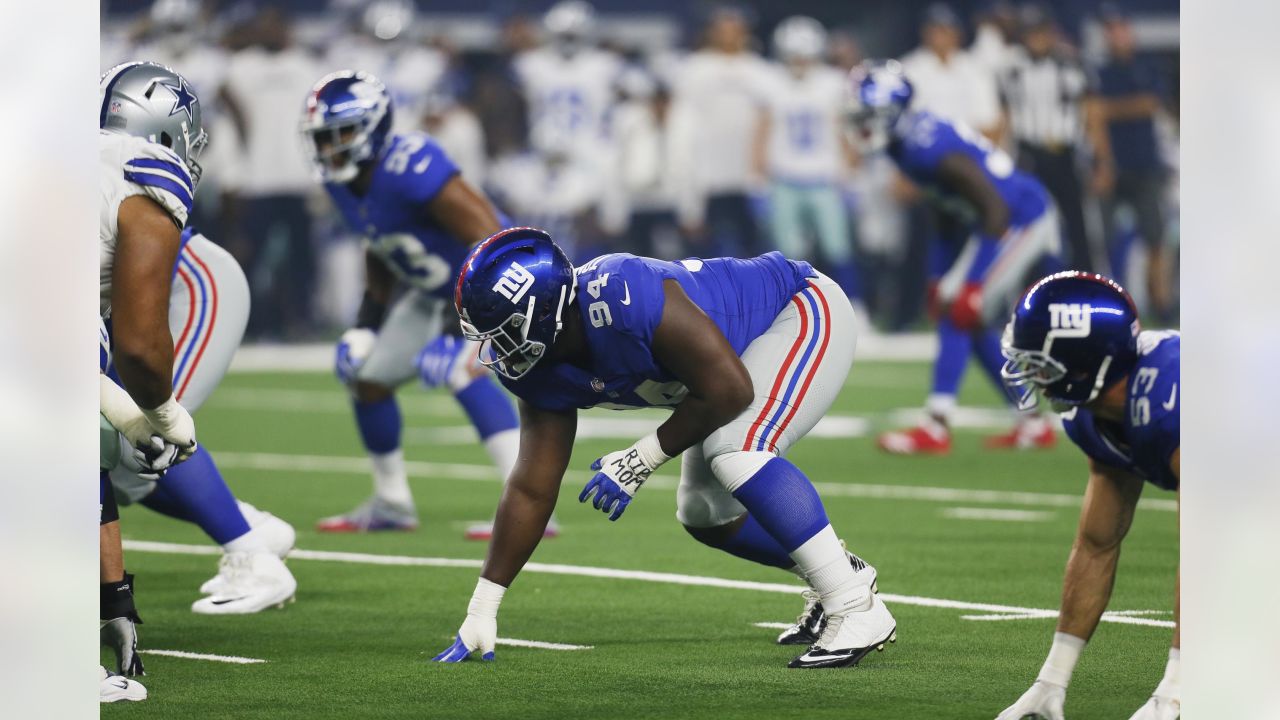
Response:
column 626, row 300
column 514, row 283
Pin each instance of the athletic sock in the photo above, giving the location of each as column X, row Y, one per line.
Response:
column 954, row 347
column 752, row 542
column 788, row 508
column 195, row 491
column 380, row 424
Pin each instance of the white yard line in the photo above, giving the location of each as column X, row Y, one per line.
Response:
column 542, row 645
column 233, row 659
column 1120, row 617
column 616, row 574
column 972, row 513
column 280, row 462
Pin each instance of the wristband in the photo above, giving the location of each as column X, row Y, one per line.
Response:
column 486, row 599
column 165, row 415
column 371, row 313
column 1063, row 656
column 650, row 451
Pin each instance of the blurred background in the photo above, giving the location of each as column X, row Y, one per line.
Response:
column 663, row 128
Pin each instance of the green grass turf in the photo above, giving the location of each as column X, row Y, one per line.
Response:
column 357, row 641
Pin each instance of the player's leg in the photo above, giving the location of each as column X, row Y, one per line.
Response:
column 117, row 614
column 948, row 265
column 413, row 319
column 798, row 367
column 785, row 220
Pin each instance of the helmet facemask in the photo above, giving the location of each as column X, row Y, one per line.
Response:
column 1030, row 374
column 507, row 348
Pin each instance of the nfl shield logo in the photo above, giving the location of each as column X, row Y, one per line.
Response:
column 597, row 384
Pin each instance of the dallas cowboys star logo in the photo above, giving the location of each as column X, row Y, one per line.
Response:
column 183, row 99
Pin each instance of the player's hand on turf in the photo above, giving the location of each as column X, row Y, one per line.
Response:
column 1159, row 708
column 620, row 475
column 353, row 349
column 121, row 635
column 1042, row 702
column 477, row 635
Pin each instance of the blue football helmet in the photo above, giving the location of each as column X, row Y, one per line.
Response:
column 879, row 93
column 345, row 122
column 511, row 296
column 1072, row 335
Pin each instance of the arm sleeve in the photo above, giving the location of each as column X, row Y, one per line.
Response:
column 155, row 171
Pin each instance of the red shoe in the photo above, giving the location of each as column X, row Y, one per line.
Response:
column 1036, row 434
column 483, row 532
column 930, row 439
column 373, row 515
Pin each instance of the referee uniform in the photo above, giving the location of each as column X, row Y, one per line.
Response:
column 1044, row 94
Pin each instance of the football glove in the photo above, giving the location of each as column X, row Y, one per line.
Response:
column 150, row 461
column 174, row 425
column 620, row 474
column 119, row 621
column 437, row 359
column 353, row 349
column 479, row 632
column 1042, row 702
column 1159, row 708
column 966, row 309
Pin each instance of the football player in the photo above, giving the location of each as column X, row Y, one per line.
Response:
column 175, row 306
column 1012, row 226
column 1074, row 340
column 419, row 218
column 748, row 354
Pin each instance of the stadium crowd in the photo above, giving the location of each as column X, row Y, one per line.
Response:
column 727, row 142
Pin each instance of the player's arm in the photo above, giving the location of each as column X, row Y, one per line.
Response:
column 689, row 344
column 1109, row 503
column 961, row 174
column 546, row 442
column 464, row 212
column 146, row 250
column 692, row 347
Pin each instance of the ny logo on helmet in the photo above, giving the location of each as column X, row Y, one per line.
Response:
column 1073, row 319
column 514, row 283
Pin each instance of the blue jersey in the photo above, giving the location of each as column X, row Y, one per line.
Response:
column 921, row 140
column 392, row 215
column 1144, row 443
column 620, row 298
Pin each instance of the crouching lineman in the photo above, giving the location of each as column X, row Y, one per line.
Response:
column 748, row 354
column 419, row 218
column 1074, row 339
column 176, row 306
column 1009, row 226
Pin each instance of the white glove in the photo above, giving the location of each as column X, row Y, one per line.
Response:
column 353, row 349
column 1159, row 708
column 1042, row 702
column 620, row 474
column 479, row 632
column 143, row 449
column 174, row 425
column 150, row 461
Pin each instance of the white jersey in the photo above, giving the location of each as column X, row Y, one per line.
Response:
column 135, row 166
column 804, row 113
column 569, row 96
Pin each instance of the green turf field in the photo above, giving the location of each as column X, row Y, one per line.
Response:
column 357, row 641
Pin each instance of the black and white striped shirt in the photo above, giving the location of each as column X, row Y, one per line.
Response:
column 1044, row 98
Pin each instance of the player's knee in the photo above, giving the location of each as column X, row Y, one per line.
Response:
column 370, row 392
column 716, row 535
column 733, row 469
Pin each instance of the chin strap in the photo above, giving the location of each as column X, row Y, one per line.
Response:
column 1100, row 379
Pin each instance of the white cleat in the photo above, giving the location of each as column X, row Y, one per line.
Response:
column 114, row 688
column 276, row 535
column 850, row 636
column 249, row 583
column 808, row 626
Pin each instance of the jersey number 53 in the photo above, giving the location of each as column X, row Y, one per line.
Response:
column 411, row 261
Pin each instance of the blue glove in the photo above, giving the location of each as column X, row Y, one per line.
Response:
column 353, row 349
column 436, row 360
column 457, row 652
column 610, row 496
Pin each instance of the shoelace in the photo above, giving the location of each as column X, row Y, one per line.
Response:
column 811, row 599
column 830, row 632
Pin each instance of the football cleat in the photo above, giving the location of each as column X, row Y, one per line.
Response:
column 1029, row 434
column 277, row 535
column 850, row 636
column 484, row 531
column 925, row 439
column 373, row 515
column 114, row 688
column 812, row 619
column 250, row 582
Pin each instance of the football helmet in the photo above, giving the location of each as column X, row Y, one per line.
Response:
column 345, row 122
column 148, row 100
column 879, row 93
column 511, row 296
column 571, row 25
column 1072, row 335
column 800, row 38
